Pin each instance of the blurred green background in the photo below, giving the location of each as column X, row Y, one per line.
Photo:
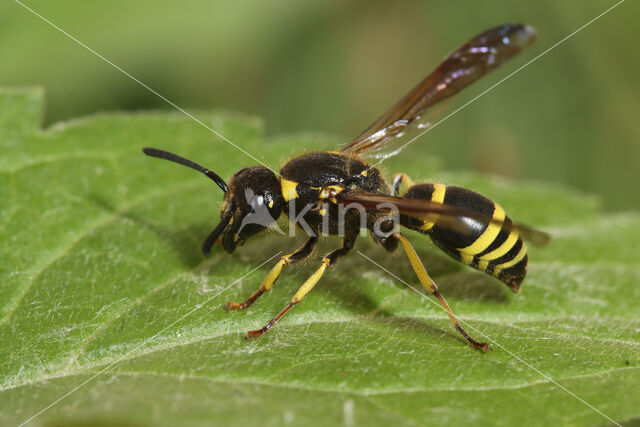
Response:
column 334, row 66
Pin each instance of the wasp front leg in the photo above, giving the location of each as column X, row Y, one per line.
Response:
column 328, row 261
column 302, row 253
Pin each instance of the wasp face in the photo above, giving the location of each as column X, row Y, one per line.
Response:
column 252, row 201
column 252, row 204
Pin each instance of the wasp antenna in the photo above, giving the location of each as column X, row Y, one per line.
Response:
column 161, row 154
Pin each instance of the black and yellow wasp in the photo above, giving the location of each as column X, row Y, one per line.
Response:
column 467, row 226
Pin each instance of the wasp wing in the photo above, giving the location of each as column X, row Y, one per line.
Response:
column 415, row 112
column 451, row 217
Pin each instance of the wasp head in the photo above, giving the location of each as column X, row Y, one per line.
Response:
column 252, row 201
column 252, row 204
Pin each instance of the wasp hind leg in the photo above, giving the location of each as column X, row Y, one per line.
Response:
column 431, row 287
column 400, row 179
column 302, row 253
column 328, row 261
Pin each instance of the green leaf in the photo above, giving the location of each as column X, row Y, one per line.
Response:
column 104, row 293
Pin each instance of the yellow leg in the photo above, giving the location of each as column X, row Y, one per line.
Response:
column 273, row 275
column 299, row 296
column 398, row 180
column 431, row 287
column 310, row 282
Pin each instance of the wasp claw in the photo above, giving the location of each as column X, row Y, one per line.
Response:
column 254, row 334
column 232, row 305
column 483, row 346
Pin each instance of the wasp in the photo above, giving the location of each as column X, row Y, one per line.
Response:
column 316, row 186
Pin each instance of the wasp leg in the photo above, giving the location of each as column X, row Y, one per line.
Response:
column 398, row 180
column 329, row 260
column 302, row 253
column 430, row 286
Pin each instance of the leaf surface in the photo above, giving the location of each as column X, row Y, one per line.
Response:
column 102, row 281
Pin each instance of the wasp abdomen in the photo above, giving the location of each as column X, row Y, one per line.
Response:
column 494, row 249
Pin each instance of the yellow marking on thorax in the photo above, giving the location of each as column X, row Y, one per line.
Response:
column 437, row 196
column 288, row 189
column 514, row 261
column 270, row 203
column 364, row 173
column 322, row 211
column 330, row 191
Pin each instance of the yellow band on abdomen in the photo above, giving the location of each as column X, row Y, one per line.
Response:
column 499, row 251
column 514, row 261
column 488, row 235
column 437, row 196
